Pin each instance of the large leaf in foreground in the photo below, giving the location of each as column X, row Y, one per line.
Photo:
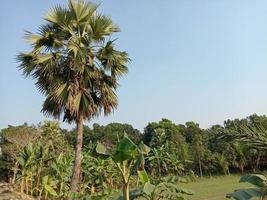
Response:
column 255, row 179
column 258, row 180
column 245, row 194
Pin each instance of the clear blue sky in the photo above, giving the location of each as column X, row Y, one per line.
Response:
column 191, row 60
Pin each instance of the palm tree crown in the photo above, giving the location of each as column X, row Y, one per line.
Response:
column 74, row 62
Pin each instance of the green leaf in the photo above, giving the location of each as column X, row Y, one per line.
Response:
column 119, row 156
column 102, row 152
column 61, row 92
column 50, row 190
column 254, row 179
column 245, row 194
column 43, row 57
column 32, row 38
column 125, row 150
column 148, row 188
column 144, row 148
column 143, row 176
column 101, row 149
column 126, row 145
column 21, row 161
column 46, row 184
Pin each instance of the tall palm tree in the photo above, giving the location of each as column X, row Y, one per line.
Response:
column 76, row 66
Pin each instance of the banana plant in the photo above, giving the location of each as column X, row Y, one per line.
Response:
column 27, row 161
column 98, row 174
column 31, row 161
column 164, row 188
column 164, row 161
column 62, row 169
column 128, row 158
column 260, row 189
column 48, row 185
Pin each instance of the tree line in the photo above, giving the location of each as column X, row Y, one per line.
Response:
column 39, row 158
column 181, row 148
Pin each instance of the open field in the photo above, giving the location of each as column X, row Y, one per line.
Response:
column 214, row 188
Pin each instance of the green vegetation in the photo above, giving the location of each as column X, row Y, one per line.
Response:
column 38, row 160
column 128, row 158
column 75, row 64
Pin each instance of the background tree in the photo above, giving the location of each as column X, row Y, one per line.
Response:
column 241, row 152
column 76, row 67
column 169, row 150
column 115, row 131
column 163, row 161
column 157, row 133
column 13, row 140
column 195, row 137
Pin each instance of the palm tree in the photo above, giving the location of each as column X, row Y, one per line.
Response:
column 76, row 66
column 241, row 151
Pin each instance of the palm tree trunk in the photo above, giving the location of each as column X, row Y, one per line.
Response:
column 228, row 171
column 258, row 161
column 200, row 167
column 78, row 156
column 242, row 169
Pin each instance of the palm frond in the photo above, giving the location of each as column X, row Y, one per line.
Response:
column 113, row 60
column 73, row 64
column 251, row 135
column 102, row 26
column 82, row 10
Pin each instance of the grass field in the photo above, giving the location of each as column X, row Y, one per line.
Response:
column 214, row 188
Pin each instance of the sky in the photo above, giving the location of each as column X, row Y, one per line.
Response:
column 203, row 61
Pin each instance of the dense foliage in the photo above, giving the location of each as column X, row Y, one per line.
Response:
column 38, row 159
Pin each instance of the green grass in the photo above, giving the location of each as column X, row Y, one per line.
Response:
column 214, row 188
